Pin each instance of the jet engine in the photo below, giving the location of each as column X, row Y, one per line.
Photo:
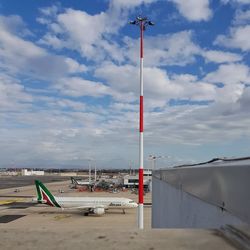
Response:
column 99, row 210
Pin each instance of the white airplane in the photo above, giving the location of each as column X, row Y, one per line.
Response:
column 78, row 183
column 89, row 205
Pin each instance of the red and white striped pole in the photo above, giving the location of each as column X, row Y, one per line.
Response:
column 141, row 189
column 142, row 22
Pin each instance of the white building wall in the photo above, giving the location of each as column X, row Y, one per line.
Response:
column 26, row 172
column 40, row 172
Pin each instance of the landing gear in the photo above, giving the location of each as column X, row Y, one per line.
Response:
column 123, row 210
column 86, row 214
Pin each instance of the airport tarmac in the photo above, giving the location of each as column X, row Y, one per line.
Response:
column 20, row 181
column 25, row 225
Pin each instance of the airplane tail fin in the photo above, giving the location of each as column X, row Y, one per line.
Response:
column 44, row 195
column 74, row 181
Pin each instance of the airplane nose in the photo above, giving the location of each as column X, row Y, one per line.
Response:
column 135, row 205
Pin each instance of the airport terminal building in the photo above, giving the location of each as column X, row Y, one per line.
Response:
column 132, row 181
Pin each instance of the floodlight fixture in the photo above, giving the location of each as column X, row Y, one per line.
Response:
column 143, row 22
column 132, row 22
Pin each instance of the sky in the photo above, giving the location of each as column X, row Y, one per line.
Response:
column 69, row 82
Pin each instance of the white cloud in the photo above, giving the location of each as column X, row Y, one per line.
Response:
column 172, row 49
column 75, row 23
column 221, row 56
column 74, row 66
column 237, row 38
column 175, row 49
column 220, row 122
column 15, row 24
column 230, row 74
column 65, row 103
column 191, row 88
column 244, row 100
column 118, row 106
column 59, row 138
column 159, row 88
column 24, row 57
column 129, row 3
column 51, row 40
column 76, row 87
column 194, row 10
column 236, row 1
column 230, row 93
column 85, row 33
column 91, row 35
column 12, row 95
column 60, row 145
column 50, row 11
column 121, row 78
column 242, row 17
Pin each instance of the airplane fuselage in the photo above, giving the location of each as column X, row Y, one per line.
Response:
column 106, row 202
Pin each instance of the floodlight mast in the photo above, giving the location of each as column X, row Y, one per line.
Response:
column 142, row 22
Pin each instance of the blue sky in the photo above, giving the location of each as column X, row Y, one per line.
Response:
column 69, row 82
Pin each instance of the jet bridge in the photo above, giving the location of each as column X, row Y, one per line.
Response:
column 205, row 195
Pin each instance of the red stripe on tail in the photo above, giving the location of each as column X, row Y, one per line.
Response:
column 46, row 198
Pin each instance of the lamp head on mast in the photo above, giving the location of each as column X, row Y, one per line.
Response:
column 142, row 22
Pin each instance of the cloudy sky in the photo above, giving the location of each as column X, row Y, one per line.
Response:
column 69, row 82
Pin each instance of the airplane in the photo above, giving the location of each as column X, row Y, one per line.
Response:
column 92, row 185
column 77, row 183
column 89, row 205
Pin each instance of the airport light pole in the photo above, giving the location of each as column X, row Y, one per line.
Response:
column 89, row 171
column 95, row 172
column 142, row 22
column 153, row 158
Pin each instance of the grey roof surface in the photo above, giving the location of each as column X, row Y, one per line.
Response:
column 243, row 161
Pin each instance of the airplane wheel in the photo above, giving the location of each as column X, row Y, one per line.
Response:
column 86, row 214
